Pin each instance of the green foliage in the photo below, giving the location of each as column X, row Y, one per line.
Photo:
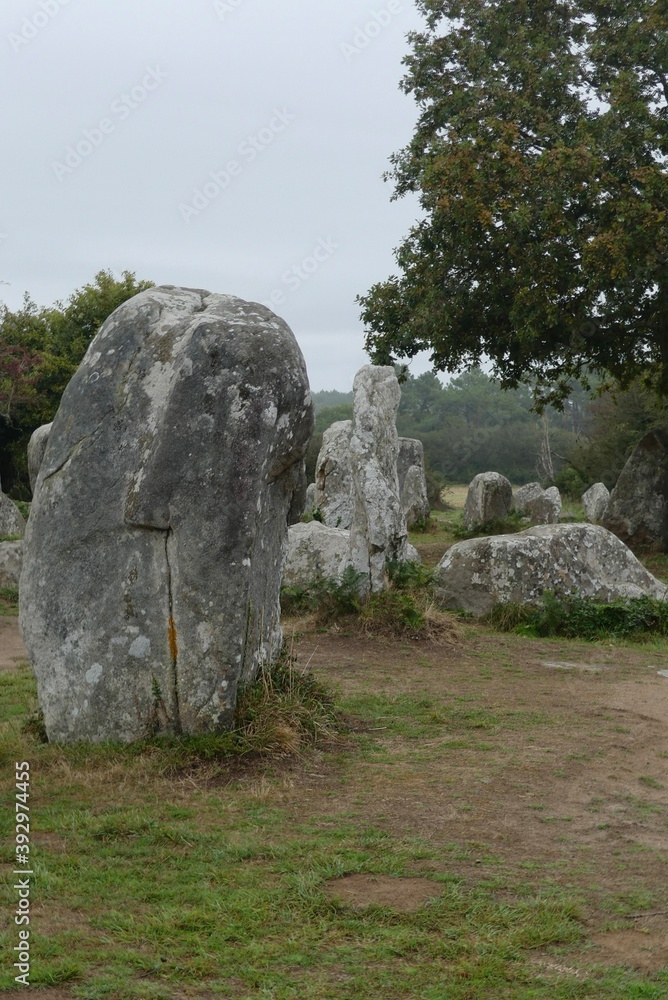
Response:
column 409, row 575
column 392, row 612
column 471, row 425
column 57, row 338
column 539, row 158
column 571, row 482
column 313, row 515
column 329, row 597
column 507, row 526
column 576, row 617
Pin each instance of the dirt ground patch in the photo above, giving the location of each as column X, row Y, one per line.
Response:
column 535, row 771
column 403, row 894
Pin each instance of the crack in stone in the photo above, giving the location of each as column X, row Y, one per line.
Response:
column 171, row 633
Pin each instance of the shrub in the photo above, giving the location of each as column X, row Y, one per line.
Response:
column 574, row 617
column 508, row 526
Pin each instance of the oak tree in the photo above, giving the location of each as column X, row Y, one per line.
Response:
column 540, row 161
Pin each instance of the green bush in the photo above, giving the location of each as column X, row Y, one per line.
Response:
column 327, row 596
column 508, row 526
column 574, row 617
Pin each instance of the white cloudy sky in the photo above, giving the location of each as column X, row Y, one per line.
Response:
column 225, row 76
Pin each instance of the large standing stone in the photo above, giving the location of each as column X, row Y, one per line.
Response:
column 36, row 448
column 11, row 519
column 155, row 545
column 490, row 498
column 595, row 501
column 637, row 511
column 333, row 476
column 477, row 574
column 378, row 531
column 412, row 481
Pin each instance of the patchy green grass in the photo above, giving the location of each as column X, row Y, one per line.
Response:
column 154, row 882
column 9, row 601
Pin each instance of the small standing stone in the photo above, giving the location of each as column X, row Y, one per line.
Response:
column 594, row 501
column 490, row 498
column 333, row 476
column 36, row 448
column 412, row 481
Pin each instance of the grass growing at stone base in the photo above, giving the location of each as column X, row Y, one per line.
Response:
column 404, row 610
column 639, row 619
column 284, row 712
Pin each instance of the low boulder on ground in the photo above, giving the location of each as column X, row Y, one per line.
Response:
column 490, row 498
column 595, row 501
column 314, row 550
column 585, row 559
column 637, row 511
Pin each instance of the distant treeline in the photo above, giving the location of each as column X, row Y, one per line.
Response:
column 471, row 425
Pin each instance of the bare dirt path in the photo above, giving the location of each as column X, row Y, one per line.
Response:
column 541, row 760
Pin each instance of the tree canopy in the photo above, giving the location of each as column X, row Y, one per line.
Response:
column 40, row 350
column 540, row 160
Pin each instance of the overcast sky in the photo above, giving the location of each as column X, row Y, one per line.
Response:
column 282, row 115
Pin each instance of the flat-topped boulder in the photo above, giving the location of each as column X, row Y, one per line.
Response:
column 156, row 541
column 585, row 559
